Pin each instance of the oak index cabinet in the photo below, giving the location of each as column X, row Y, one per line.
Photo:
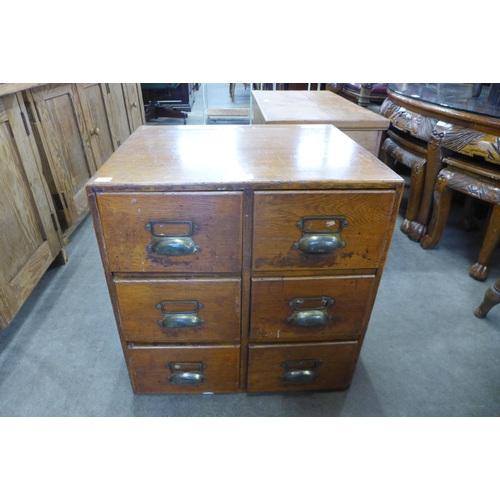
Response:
column 242, row 258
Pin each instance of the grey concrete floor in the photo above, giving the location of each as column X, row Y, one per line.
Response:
column 425, row 353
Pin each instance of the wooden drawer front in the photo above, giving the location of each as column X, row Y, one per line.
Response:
column 360, row 240
column 161, row 370
column 195, row 310
column 299, row 367
column 305, row 309
column 140, row 227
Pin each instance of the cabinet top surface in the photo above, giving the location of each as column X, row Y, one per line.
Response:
column 241, row 156
column 316, row 106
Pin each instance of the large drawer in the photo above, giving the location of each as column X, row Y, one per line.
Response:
column 308, row 230
column 172, row 232
column 180, row 310
column 184, row 370
column 300, row 367
column 309, row 309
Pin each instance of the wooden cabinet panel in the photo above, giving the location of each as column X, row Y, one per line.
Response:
column 180, row 310
column 94, row 97
column 150, row 222
column 134, row 105
column 300, row 367
column 309, row 309
column 289, row 228
column 31, row 238
column 187, row 369
column 59, row 121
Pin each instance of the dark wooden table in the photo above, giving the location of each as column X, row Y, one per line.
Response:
column 450, row 120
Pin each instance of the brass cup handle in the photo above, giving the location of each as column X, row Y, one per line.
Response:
column 180, row 319
column 299, row 376
column 187, row 378
column 316, row 315
column 320, row 243
column 186, row 373
column 300, row 371
column 321, row 234
column 173, row 245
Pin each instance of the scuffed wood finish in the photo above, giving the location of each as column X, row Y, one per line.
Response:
column 219, row 304
column 245, row 188
column 272, row 307
column 151, row 371
column 218, row 217
column 320, row 107
column 238, row 156
column 276, row 215
column 30, row 239
column 331, row 362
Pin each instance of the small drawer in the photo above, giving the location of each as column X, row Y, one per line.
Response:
column 180, row 310
column 300, row 367
column 306, row 230
column 184, row 370
column 172, row 232
column 309, row 309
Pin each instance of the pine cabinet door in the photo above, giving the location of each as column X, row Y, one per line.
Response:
column 30, row 237
column 65, row 143
column 134, row 105
column 94, row 100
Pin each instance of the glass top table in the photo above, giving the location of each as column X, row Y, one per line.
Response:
column 445, row 118
column 457, row 96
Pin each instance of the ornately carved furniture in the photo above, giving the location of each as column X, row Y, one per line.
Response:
column 491, row 299
column 475, row 179
column 242, row 258
column 449, row 121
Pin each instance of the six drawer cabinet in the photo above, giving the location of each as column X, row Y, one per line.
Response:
column 242, row 258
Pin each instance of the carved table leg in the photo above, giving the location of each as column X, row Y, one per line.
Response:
column 391, row 152
column 479, row 271
column 434, row 165
column 442, row 203
column 491, row 298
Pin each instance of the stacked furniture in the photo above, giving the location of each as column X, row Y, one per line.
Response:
column 450, row 137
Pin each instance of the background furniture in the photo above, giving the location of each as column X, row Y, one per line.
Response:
column 53, row 138
column 449, row 121
column 491, row 299
column 320, row 107
column 243, row 258
column 31, row 238
column 364, row 94
column 476, row 179
column 167, row 100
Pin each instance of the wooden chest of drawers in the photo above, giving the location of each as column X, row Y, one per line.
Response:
column 242, row 258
